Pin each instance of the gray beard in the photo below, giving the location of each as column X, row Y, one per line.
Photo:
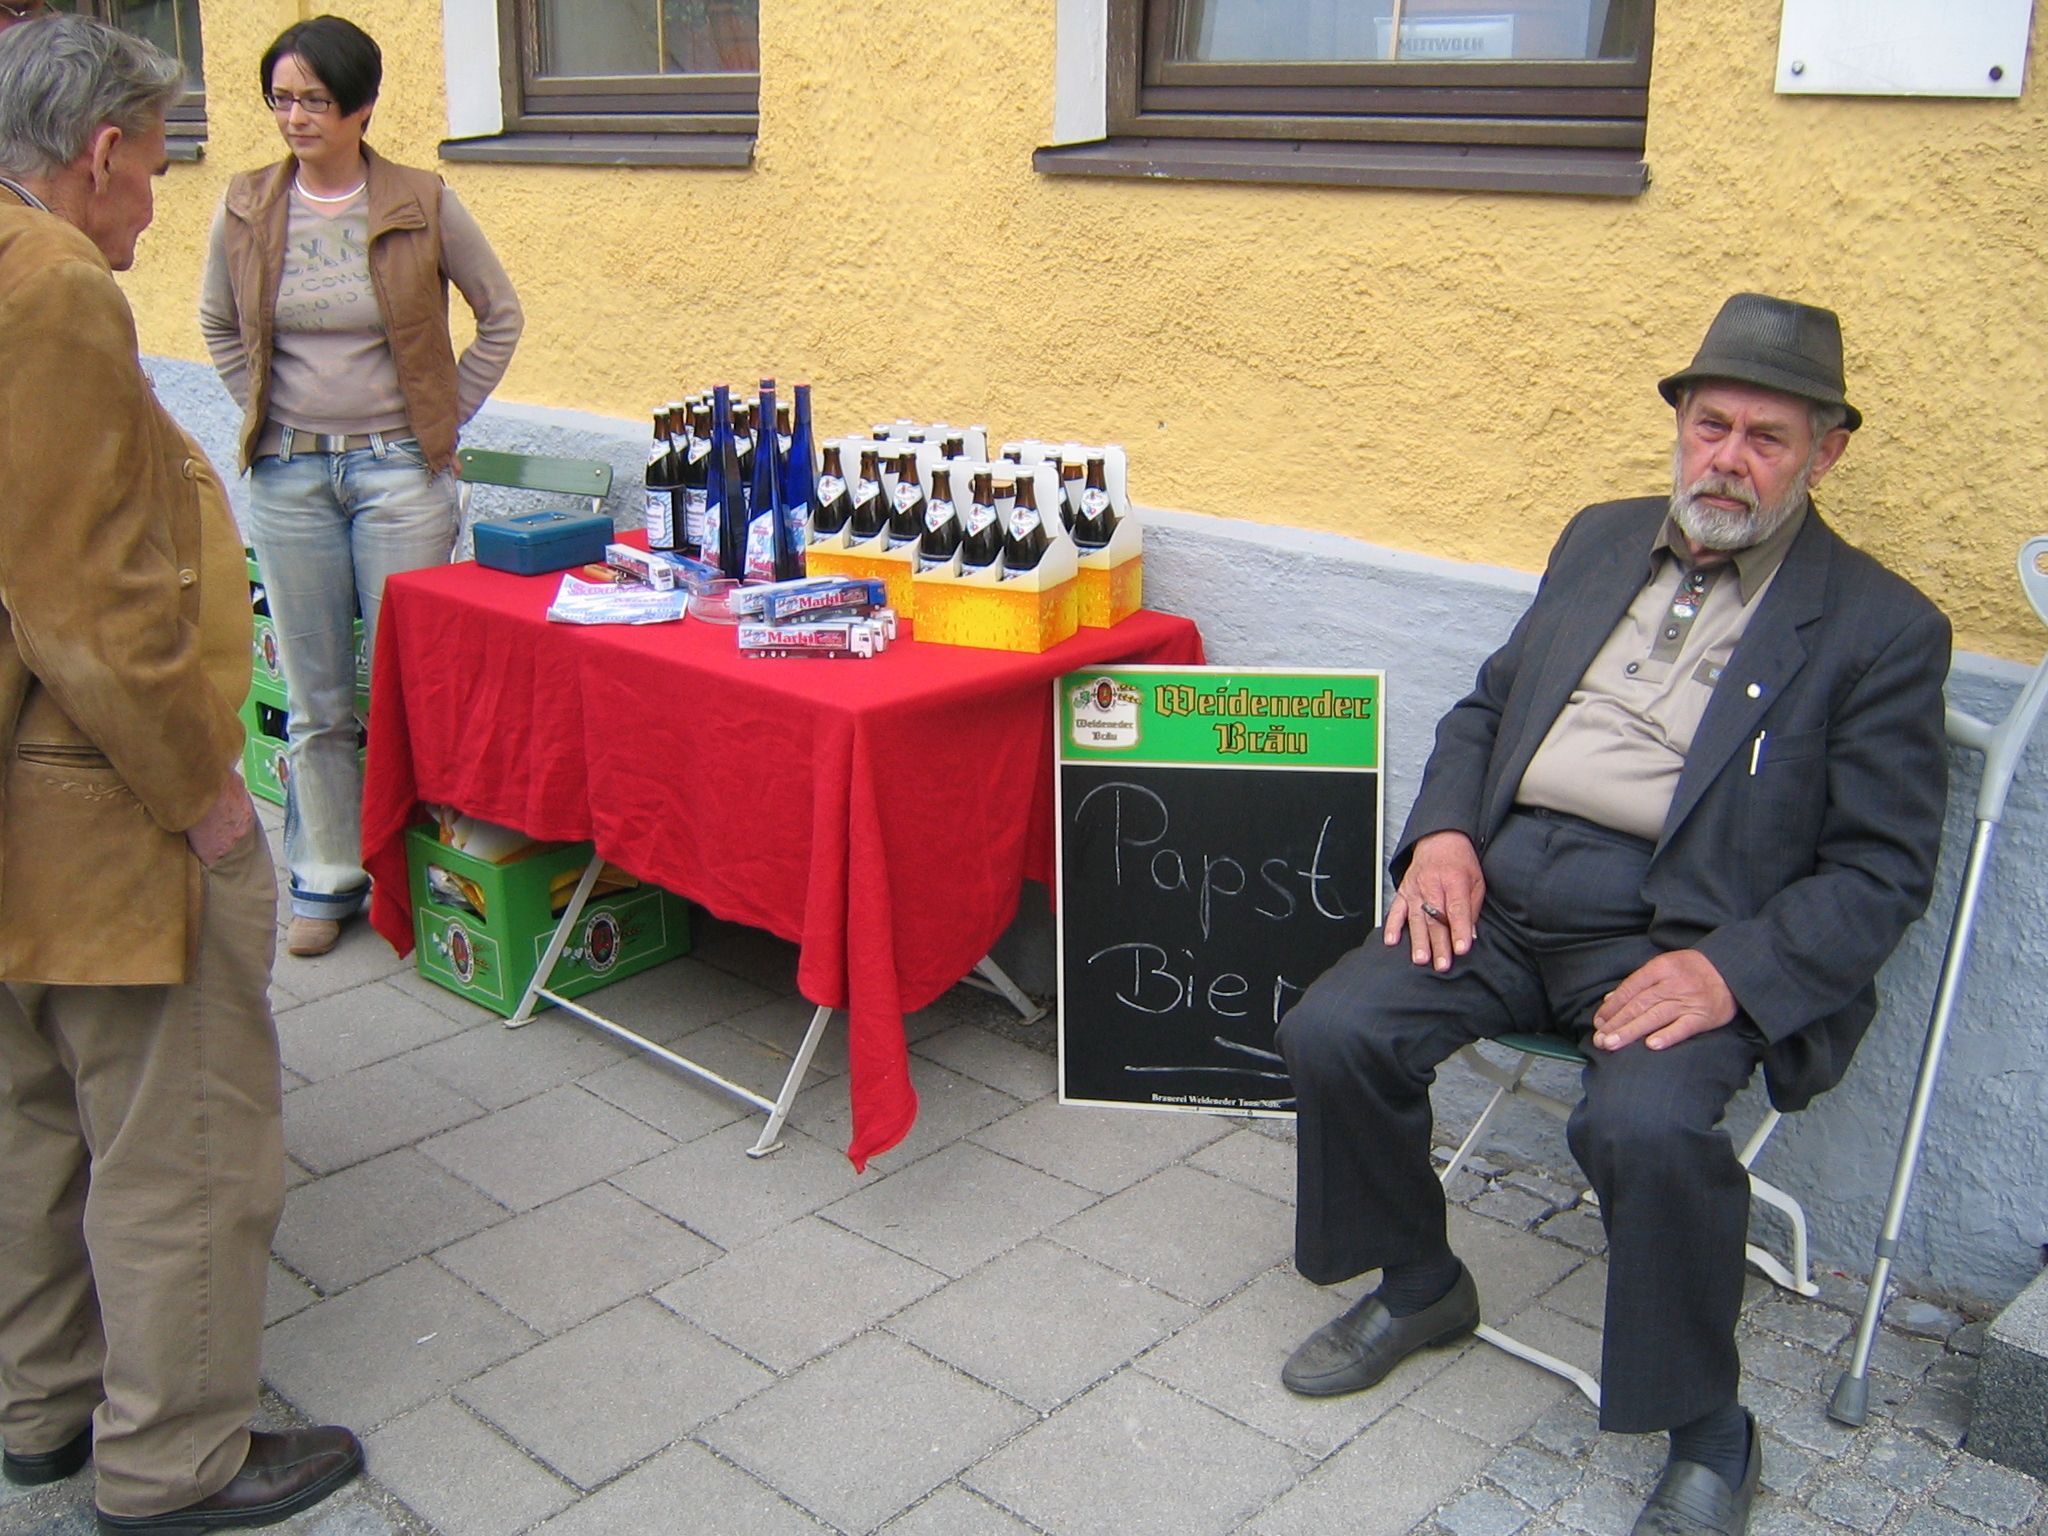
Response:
column 1725, row 528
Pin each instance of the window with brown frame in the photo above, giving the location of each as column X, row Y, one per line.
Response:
column 628, row 81
column 173, row 25
column 1518, row 95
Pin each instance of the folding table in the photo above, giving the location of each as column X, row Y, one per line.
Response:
column 881, row 814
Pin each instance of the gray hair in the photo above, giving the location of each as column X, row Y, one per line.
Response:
column 64, row 77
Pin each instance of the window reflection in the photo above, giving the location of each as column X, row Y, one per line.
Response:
column 1431, row 31
column 648, row 37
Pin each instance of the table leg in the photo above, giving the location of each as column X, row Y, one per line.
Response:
column 990, row 977
column 771, row 1133
column 563, row 929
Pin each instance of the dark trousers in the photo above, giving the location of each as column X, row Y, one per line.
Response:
column 1562, row 924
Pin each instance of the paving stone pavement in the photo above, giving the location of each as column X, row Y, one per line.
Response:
column 540, row 1277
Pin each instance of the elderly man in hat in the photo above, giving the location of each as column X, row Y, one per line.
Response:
column 1683, row 816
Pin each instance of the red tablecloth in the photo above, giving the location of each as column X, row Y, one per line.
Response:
column 881, row 814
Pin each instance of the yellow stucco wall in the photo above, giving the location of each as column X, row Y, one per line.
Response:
column 1445, row 373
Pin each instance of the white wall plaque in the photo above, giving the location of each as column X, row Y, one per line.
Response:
column 1903, row 47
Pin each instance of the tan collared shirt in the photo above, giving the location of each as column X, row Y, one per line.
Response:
column 1615, row 751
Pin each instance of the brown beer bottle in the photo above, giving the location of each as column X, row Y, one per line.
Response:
column 659, row 515
column 870, row 512
column 906, row 516
column 981, row 542
column 1096, row 520
column 1025, row 540
column 941, row 537
column 1070, row 491
column 831, row 502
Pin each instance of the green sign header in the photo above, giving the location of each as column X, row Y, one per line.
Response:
column 1213, row 717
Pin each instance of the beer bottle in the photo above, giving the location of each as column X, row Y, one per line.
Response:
column 981, row 543
column 940, row 542
column 785, row 538
column 954, row 446
column 831, row 502
column 659, row 517
column 1096, row 520
column 799, row 466
column 785, row 428
column 764, row 514
column 906, row 518
column 1025, row 539
column 1070, row 490
column 696, row 481
column 870, row 512
column 743, row 437
column 726, row 506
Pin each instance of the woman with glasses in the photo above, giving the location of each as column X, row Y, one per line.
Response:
column 326, row 311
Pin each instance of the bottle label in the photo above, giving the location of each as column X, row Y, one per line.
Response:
column 979, row 516
column 938, row 514
column 1094, row 503
column 657, row 450
column 865, row 491
column 695, row 518
column 700, row 448
column 1023, row 522
column 660, row 521
column 782, row 442
column 829, row 489
column 907, row 494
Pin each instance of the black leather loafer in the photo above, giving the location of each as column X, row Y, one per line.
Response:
column 1692, row 1500
column 282, row 1475
column 49, row 1466
column 1356, row 1350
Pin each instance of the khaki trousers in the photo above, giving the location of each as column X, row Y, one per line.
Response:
column 141, row 1178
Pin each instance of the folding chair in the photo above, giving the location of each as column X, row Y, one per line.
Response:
column 1509, row 1082
column 542, row 473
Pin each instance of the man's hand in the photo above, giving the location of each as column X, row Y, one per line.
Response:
column 1439, row 900
column 1671, row 998
column 212, row 835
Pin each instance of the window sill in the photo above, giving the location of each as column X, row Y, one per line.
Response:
column 184, row 148
column 727, row 151
column 1434, row 167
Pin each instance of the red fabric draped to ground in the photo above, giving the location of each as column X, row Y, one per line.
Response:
column 881, row 814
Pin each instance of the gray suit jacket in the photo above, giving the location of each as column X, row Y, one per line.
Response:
column 1796, row 880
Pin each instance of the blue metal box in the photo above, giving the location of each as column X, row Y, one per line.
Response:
column 535, row 542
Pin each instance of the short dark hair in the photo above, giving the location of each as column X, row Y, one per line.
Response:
column 340, row 55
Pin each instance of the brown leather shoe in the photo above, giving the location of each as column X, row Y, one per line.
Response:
column 308, row 936
column 282, row 1475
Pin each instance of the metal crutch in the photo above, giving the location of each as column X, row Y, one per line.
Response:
column 2001, row 745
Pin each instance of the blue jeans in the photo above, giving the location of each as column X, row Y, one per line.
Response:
column 327, row 529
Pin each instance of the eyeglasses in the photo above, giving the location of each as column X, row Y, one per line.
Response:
column 283, row 101
column 25, row 9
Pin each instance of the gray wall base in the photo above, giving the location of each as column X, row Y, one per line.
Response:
column 1273, row 596
column 2011, row 1399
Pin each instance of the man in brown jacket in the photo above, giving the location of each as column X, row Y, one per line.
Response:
column 139, row 1083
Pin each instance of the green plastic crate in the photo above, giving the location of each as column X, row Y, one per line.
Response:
column 264, row 767
column 490, row 957
column 263, row 743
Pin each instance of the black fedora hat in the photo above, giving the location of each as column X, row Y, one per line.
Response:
column 1775, row 343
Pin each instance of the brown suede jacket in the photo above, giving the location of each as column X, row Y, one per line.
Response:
column 118, row 680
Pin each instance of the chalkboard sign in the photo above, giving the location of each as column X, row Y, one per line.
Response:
column 1219, row 848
